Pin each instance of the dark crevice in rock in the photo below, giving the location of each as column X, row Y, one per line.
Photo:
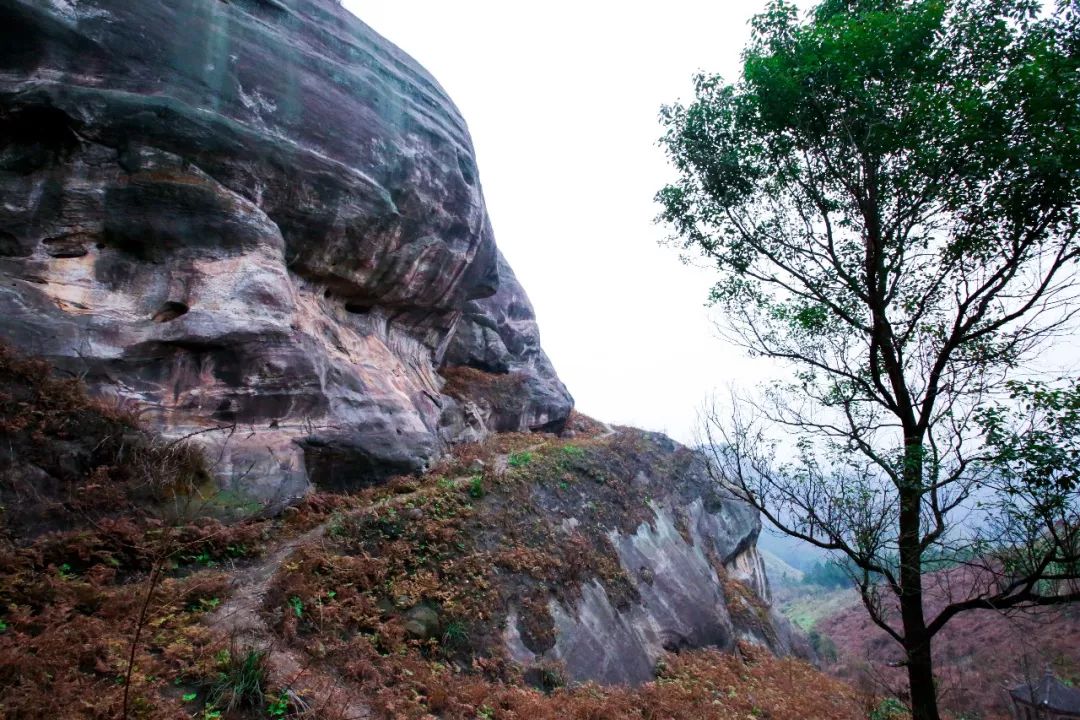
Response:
column 170, row 311
column 358, row 308
column 255, row 7
column 65, row 247
column 10, row 246
column 35, row 137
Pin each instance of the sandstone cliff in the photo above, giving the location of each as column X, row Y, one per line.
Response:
column 258, row 216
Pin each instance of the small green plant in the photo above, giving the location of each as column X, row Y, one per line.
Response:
column 335, row 526
column 888, row 709
column 476, row 487
column 189, row 697
column 455, row 634
column 485, row 712
column 573, row 451
column 209, row 603
column 3, row 626
column 279, row 706
column 65, row 572
column 204, row 558
column 445, row 483
column 297, row 606
column 241, row 680
column 520, row 459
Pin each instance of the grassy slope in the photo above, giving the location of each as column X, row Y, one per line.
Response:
column 808, row 605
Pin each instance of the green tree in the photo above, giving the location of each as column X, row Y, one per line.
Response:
column 889, row 196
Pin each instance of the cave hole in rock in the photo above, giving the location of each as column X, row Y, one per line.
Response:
column 170, row 311
column 65, row 246
column 327, row 294
column 358, row 308
column 11, row 247
column 34, row 137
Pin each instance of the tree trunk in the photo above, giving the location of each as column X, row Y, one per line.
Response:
column 921, row 680
column 916, row 638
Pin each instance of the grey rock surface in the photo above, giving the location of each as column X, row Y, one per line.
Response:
column 499, row 335
column 699, row 546
column 256, row 215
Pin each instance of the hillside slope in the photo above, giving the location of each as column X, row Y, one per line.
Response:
column 415, row 598
column 977, row 656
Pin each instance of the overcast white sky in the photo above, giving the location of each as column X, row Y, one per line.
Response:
column 562, row 101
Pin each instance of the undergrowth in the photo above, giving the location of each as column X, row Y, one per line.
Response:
column 410, row 593
column 103, row 585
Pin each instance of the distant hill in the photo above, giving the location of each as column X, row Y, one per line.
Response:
column 779, row 571
column 794, row 552
column 977, row 655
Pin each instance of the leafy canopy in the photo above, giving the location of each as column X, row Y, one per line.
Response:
column 944, row 132
column 889, row 195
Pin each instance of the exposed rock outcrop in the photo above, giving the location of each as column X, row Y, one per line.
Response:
column 259, row 216
column 695, row 576
column 498, row 336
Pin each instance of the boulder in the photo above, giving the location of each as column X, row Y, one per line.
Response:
column 499, row 336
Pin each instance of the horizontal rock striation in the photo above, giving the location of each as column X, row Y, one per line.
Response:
column 263, row 223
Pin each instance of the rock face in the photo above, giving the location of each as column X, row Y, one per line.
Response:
column 257, row 216
column 695, row 574
column 499, row 336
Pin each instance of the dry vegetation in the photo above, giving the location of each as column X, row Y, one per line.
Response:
column 106, row 591
column 977, row 655
column 91, row 552
column 408, row 596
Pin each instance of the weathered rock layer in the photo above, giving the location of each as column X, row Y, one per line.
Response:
column 689, row 574
column 258, row 216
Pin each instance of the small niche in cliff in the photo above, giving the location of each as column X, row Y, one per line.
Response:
column 468, row 174
column 358, row 308
column 36, row 137
column 11, row 246
column 170, row 311
column 66, row 246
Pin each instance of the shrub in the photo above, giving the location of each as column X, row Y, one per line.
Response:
column 476, row 487
column 520, row 459
column 241, row 679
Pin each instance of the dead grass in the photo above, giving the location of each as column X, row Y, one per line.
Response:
column 501, row 390
column 67, row 459
column 82, row 551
